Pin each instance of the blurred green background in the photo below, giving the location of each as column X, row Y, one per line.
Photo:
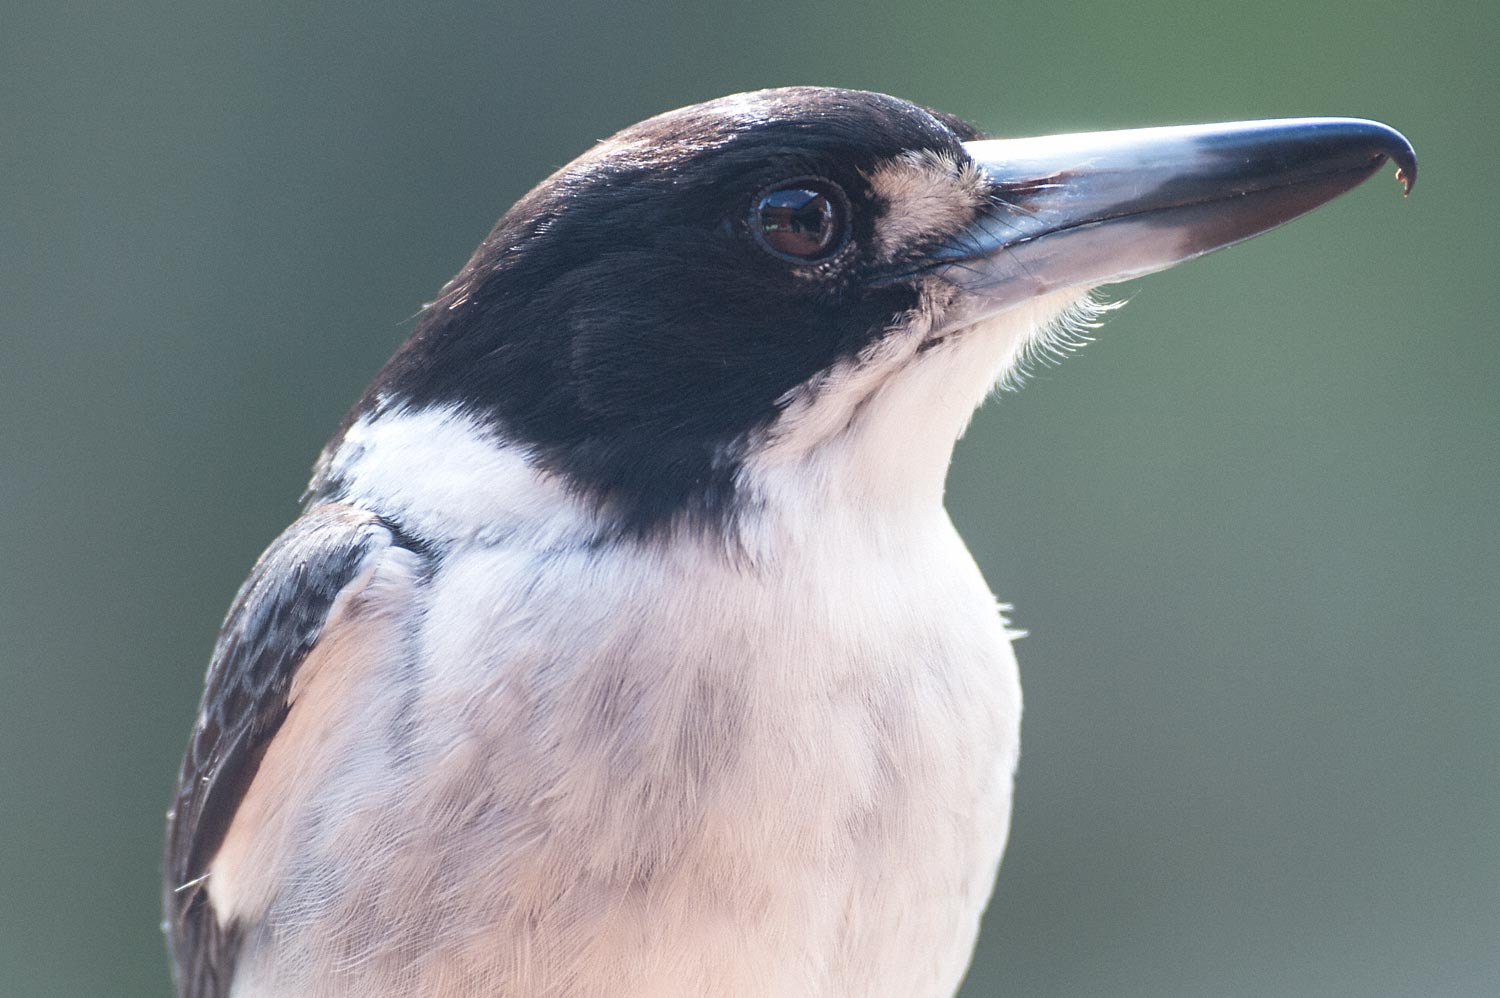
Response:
column 1252, row 530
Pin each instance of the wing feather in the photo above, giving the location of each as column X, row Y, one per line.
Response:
column 276, row 619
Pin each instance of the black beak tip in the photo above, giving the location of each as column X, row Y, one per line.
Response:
column 1344, row 139
column 1394, row 146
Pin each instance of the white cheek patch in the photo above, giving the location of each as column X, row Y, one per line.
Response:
column 924, row 194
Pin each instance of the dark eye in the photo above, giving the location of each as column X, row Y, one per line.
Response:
column 804, row 219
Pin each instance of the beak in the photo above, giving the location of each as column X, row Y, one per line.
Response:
column 1080, row 211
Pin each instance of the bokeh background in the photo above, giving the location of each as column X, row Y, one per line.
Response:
column 1252, row 530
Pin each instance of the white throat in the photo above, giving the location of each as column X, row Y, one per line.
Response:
column 877, row 432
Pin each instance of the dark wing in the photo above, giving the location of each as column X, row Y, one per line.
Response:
column 276, row 618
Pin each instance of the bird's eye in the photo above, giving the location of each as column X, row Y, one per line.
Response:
column 804, row 219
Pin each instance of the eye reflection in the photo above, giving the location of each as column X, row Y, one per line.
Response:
column 806, row 219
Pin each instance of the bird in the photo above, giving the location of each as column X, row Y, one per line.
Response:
column 623, row 646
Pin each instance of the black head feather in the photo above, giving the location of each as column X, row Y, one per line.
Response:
column 622, row 323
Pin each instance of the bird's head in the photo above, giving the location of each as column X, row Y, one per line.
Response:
column 812, row 289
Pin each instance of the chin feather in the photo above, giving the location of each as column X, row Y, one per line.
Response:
column 1055, row 341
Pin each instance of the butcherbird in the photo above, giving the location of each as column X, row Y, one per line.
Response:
column 624, row 648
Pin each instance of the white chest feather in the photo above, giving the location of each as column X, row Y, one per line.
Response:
column 660, row 770
column 682, row 777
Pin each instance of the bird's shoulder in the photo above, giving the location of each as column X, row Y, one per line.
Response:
column 313, row 580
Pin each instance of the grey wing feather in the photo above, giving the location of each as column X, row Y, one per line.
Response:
column 276, row 618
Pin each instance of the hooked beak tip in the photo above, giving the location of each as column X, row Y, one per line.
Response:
column 1408, row 180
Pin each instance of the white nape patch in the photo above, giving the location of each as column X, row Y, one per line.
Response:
column 442, row 475
column 925, row 194
column 877, row 431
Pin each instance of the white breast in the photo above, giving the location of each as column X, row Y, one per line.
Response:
column 683, row 775
column 779, row 767
column 729, row 779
